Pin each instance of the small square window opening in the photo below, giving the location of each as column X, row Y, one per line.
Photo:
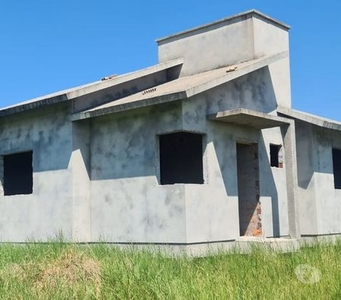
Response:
column 181, row 158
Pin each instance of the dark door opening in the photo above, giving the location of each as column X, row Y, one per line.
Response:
column 248, row 190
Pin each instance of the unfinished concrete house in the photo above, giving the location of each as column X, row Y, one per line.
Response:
column 202, row 148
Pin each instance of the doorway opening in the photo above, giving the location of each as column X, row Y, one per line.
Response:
column 248, row 190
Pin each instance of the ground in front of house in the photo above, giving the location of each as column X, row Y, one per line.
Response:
column 63, row 271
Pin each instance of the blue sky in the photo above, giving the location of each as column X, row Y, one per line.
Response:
column 47, row 46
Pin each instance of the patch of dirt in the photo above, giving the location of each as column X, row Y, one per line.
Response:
column 13, row 271
column 71, row 269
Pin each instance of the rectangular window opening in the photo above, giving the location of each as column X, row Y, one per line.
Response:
column 276, row 156
column 336, row 153
column 18, row 173
column 181, row 158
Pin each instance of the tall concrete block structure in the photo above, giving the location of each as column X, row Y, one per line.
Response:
column 201, row 149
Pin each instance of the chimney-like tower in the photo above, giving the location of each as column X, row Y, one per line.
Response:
column 239, row 38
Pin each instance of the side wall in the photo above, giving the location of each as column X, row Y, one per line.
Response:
column 319, row 201
column 47, row 212
column 327, row 197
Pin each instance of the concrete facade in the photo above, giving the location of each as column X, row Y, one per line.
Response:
column 202, row 148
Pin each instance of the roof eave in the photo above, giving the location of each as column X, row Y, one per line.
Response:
column 129, row 106
column 33, row 105
column 309, row 118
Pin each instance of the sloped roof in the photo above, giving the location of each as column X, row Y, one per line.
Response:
column 309, row 118
column 181, row 88
column 72, row 93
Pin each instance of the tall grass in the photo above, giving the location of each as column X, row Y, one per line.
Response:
column 63, row 271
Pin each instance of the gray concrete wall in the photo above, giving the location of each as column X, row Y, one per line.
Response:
column 212, row 208
column 127, row 202
column 319, row 201
column 253, row 91
column 221, row 172
column 129, row 205
column 48, row 210
column 327, row 197
column 273, row 187
column 256, row 91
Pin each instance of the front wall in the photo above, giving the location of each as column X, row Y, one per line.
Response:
column 129, row 205
column 127, row 202
column 212, row 208
column 47, row 211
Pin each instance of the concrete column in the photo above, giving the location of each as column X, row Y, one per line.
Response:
column 288, row 133
column 80, row 166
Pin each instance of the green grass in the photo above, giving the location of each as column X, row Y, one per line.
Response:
column 62, row 271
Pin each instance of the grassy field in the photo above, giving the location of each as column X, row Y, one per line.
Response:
column 64, row 271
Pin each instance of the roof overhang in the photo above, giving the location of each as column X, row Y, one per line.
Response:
column 250, row 118
column 182, row 88
column 309, row 118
